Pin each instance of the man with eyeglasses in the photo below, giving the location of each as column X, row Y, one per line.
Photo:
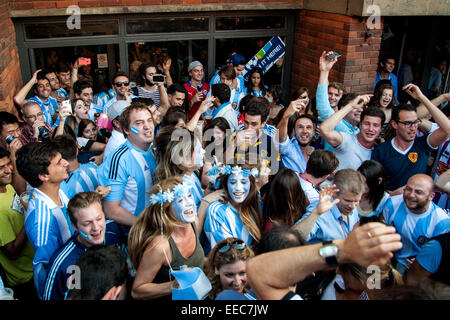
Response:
column 34, row 128
column 121, row 87
column 406, row 154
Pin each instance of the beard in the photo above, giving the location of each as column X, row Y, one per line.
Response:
column 149, row 83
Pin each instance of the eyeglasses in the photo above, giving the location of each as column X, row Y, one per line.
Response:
column 119, row 84
column 40, row 114
column 409, row 124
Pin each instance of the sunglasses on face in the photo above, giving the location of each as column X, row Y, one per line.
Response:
column 119, row 84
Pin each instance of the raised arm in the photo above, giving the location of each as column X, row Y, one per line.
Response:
column 294, row 106
column 205, row 105
column 166, row 66
column 322, row 103
column 20, row 97
column 333, row 137
column 305, row 226
column 422, row 111
column 439, row 136
column 271, row 274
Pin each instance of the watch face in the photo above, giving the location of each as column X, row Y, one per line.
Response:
column 329, row 251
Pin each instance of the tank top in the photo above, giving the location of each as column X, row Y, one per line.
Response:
column 195, row 260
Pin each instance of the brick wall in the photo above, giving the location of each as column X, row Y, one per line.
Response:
column 10, row 79
column 316, row 32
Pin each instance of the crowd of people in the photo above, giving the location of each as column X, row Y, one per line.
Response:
column 223, row 189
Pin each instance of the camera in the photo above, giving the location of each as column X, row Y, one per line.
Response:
column 158, row 79
column 44, row 133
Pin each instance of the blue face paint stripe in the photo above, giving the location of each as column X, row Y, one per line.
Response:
column 135, row 130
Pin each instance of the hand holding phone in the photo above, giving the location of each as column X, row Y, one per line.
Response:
column 333, row 55
column 66, row 106
column 84, row 61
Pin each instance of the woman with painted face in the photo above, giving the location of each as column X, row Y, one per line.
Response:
column 179, row 153
column 226, row 267
column 164, row 238
column 238, row 215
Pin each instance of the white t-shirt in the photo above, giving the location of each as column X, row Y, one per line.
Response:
column 310, row 192
column 350, row 152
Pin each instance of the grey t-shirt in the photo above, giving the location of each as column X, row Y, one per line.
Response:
column 350, row 152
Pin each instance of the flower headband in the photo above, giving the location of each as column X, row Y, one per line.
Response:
column 168, row 195
column 226, row 169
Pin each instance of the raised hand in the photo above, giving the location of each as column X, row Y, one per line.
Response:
column 413, row 91
column 325, row 203
column 325, row 64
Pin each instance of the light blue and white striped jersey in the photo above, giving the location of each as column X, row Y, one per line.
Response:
column 63, row 93
column 48, row 108
column 105, row 107
column 291, row 155
column 195, row 186
column 330, row 225
column 414, row 228
column 223, row 221
column 270, row 130
column 430, row 256
column 47, row 227
column 128, row 171
column 83, row 179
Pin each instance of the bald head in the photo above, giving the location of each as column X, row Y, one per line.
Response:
column 418, row 193
column 422, row 180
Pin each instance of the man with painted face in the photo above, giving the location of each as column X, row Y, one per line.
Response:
column 327, row 221
column 295, row 152
column 128, row 170
column 238, row 216
column 354, row 149
column 415, row 217
column 91, row 229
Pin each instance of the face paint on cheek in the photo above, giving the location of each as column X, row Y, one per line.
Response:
column 135, row 130
column 85, row 235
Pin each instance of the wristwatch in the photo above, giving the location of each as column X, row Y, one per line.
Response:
column 329, row 251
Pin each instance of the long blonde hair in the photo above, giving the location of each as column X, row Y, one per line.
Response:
column 152, row 222
column 173, row 145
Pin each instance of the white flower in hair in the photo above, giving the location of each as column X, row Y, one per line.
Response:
column 254, row 172
column 168, row 195
column 237, row 170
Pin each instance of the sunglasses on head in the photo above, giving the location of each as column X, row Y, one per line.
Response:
column 237, row 244
column 119, row 84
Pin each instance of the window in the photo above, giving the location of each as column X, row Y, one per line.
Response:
column 250, row 23
column 167, row 25
column 59, row 29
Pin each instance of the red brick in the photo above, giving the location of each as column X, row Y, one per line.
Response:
column 44, row 4
column 132, row 2
column 89, row 3
column 371, row 54
column 154, row 2
column 331, row 16
column 22, row 5
column 171, row 2
column 109, row 3
column 65, row 4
